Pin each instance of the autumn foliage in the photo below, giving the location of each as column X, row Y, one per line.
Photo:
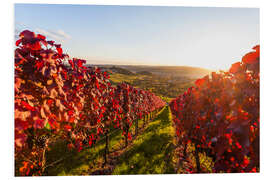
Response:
column 58, row 98
column 220, row 117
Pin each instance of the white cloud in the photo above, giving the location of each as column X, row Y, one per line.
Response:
column 55, row 35
column 63, row 34
column 17, row 32
column 19, row 27
column 58, row 35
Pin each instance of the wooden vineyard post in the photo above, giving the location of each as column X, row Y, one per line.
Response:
column 144, row 120
column 106, row 147
column 136, row 126
column 197, row 159
column 185, row 150
column 126, row 128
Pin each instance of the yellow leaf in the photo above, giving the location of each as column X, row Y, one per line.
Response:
column 49, row 82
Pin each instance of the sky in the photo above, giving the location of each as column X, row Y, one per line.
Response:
column 207, row 37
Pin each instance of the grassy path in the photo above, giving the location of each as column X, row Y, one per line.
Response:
column 151, row 152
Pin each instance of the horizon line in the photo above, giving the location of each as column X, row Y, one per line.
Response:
column 109, row 64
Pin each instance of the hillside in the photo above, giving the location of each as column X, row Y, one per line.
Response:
column 165, row 81
column 175, row 71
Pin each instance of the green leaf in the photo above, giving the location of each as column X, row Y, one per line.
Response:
column 48, row 126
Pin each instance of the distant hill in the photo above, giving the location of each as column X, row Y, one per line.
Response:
column 112, row 69
column 121, row 70
column 191, row 72
column 165, row 81
column 174, row 71
column 144, row 73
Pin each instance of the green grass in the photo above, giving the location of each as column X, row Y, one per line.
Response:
column 118, row 78
column 86, row 161
column 151, row 152
column 79, row 163
column 166, row 99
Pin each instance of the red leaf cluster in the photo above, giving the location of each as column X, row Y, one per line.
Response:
column 60, row 98
column 221, row 116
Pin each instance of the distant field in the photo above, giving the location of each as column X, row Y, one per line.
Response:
column 179, row 71
column 165, row 81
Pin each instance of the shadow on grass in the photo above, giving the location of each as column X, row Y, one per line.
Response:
column 77, row 163
column 151, row 151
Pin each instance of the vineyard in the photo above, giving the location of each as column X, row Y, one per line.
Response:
column 67, row 113
column 220, row 118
